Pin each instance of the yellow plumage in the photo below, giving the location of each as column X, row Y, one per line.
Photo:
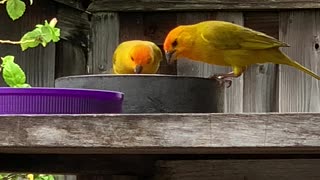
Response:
column 136, row 56
column 226, row 44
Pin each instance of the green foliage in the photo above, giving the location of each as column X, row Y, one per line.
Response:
column 16, row 176
column 42, row 34
column 15, row 8
column 43, row 177
column 12, row 74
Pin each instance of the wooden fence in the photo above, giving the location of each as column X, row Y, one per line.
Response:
column 89, row 39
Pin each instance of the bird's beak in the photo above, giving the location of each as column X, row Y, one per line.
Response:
column 170, row 56
column 138, row 69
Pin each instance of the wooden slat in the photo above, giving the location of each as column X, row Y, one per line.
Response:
column 161, row 133
column 172, row 5
column 288, row 169
column 298, row 91
column 105, row 39
column 76, row 4
column 260, row 80
column 74, row 25
column 78, row 164
column 71, row 59
column 233, row 97
column 38, row 63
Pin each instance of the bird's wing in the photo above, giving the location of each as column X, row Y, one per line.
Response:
column 230, row 36
column 157, row 52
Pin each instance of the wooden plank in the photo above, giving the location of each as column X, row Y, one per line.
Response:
column 136, row 165
column 161, row 133
column 75, row 4
column 74, row 25
column 71, row 59
column 233, row 101
column 105, row 39
column 298, row 91
column 38, row 63
column 284, row 169
column 175, row 5
column 260, row 80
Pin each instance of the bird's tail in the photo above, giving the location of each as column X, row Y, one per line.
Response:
column 304, row 69
column 287, row 61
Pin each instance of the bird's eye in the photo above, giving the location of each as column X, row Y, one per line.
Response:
column 132, row 58
column 174, row 43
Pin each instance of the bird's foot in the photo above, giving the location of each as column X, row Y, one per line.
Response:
column 223, row 80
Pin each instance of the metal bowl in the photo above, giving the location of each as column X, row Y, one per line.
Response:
column 155, row 93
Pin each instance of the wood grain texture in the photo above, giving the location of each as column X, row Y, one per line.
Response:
column 38, row 63
column 173, row 5
column 104, row 40
column 71, row 59
column 161, row 133
column 299, row 92
column 74, row 25
column 260, row 80
column 288, row 169
column 75, row 4
column 233, row 101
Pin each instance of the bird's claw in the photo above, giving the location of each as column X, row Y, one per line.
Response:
column 223, row 81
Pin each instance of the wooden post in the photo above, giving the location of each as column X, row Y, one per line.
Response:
column 105, row 38
column 259, row 94
column 299, row 92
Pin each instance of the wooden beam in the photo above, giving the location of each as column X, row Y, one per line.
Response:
column 78, row 164
column 174, row 5
column 74, row 25
column 161, row 133
column 76, row 4
column 293, row 169
column 104, row 40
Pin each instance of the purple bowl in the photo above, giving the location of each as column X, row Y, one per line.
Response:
column 59, row 101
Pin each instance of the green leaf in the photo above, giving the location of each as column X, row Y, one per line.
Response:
column 15, row 8
column 12, row 74
column 44, row 177
column 42, row 34
column 31, row 39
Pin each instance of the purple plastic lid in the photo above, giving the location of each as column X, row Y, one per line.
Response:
column 40, row 100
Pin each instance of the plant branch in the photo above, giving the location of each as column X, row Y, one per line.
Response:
column 15, row 42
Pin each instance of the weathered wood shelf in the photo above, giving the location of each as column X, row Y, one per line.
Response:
column 161, row 134
column 191, row 5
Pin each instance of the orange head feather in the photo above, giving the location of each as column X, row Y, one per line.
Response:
column 141, row 55
column 177, row 42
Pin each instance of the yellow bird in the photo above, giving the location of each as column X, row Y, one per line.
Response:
column 226, row 44
column 136, row 56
